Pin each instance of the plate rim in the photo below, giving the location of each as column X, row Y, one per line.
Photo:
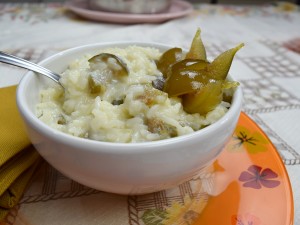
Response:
column 282, row 167
column 97, row 15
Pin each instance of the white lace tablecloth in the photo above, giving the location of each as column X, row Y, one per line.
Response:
column 268, row 72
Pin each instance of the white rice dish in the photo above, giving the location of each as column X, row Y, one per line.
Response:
column 142, row 113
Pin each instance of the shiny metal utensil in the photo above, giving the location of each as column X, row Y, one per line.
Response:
column 16, row 61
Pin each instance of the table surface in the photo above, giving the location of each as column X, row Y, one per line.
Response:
column 268, row 72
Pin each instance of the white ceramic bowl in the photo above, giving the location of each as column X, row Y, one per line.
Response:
column 130, row 168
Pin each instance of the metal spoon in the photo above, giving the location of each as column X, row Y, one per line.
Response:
column 16, row 61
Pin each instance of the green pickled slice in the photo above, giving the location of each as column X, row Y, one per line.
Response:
column 61, row 120
column 228, row 89
column 197, row 49
column 111, row 62
column 169, row 57
column 204, row 100
column 104, row 68
column 185, row 76
column 230, row 84
column 158, row 83
column 219, row 68
column 117, row 102
column 96, row 84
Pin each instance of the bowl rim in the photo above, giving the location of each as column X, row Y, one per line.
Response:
column 62, row 137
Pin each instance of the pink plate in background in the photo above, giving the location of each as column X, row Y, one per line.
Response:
column 178, row 9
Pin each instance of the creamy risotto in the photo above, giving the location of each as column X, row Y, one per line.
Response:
column 101, row 103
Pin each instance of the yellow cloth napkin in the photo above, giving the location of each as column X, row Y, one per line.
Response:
column 18, row 158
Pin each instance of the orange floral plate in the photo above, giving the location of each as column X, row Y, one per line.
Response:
column 247, row 185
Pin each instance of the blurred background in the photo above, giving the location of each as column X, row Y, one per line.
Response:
column 193, row 1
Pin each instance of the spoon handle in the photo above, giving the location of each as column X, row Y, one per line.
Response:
column 16, row 61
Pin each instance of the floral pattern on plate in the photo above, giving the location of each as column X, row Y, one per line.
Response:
column 245, row 138
column 248, row 171
column 247, row 219
column 257, row 178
